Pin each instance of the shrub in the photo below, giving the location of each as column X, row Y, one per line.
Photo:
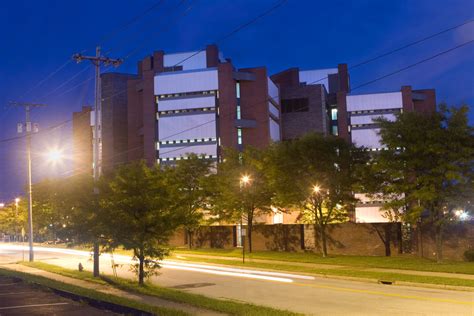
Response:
column 469, row 255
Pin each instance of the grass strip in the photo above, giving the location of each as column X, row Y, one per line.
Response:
column 201, row 301
column 29, row 278
column 403, row 262
column 345, row 272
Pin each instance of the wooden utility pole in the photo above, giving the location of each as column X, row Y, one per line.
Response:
column 29, row 129
column 97, row 61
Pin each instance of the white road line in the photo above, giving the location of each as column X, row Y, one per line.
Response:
column 33, row 305
column 13, row 293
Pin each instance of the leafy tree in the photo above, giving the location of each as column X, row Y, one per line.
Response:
column 235, row 199
column 427, row 164
column 189, row 191
column 316, row 174
column 13, row 218
column 136, row 202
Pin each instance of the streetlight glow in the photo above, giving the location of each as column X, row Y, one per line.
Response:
column 54, row 155
column 245, row 179
column 17, row 200
column 316, row 189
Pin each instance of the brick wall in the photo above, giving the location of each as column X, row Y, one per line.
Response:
column 343, row 239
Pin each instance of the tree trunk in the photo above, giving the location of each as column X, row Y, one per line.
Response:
column 323, row 240
column 141, row 271
column 387, row 239
column 190, row 238
column 439, row 243
column 96, row 259
column 249, row 232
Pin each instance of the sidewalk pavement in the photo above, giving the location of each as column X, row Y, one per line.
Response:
column 107, row 289
column 332, row 266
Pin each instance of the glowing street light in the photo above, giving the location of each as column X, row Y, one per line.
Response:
column 55, row 155
column 316, row 189
column 2, row 205
column 17, row 200
column 245, row 179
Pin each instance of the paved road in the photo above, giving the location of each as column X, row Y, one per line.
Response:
column 312, row 296
column 18, row 298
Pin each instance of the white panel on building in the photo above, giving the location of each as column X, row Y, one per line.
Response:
column 169, row 152
column 186, row 103
column 366, row 137
column 187, row 127
column 186, row 81
column 375, row 101
column 273, row 109
column 273, row 91
column 197, row 61
column 369, row 119
column 317, row 76
column 370, row 214
column 274, row 130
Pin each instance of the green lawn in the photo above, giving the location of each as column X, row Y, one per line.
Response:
column 225, row 306
column 405, row 262
column 90, row 293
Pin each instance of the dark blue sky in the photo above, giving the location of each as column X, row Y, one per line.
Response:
column 39, row 36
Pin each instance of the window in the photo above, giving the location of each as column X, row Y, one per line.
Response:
column 334, row 114
column 294, row 105
column 237, row 89
column 173, row 68
column 239, row 136
column 334, row 130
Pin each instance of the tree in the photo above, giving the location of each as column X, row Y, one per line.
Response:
column 235, row 198
column 189, row 191
column 315, row 174
column 427, row 163
column 13, row 218
column 136, row 202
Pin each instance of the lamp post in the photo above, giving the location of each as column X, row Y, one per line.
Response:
column 244, row 181
column 17, row 200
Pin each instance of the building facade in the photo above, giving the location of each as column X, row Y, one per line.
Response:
column 309, row 99
column 82, row 141
column 198, row 102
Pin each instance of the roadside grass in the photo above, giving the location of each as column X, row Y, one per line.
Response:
column 404, row 262
column 201, row 301
column 35, row 279
column 344, row 272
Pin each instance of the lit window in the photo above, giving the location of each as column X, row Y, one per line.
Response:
column 334, row 114
column 237, row 89
column 335, row 130
column 239, row 136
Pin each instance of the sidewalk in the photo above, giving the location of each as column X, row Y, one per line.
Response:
column 331, row 266
column 106, row 289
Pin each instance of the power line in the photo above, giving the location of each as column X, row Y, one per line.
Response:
column 130, row 22
column 413, row 65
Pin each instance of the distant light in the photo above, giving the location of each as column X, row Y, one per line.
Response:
column 462, row 215
column 2, row 205
column 17, row 200
column 316, row 189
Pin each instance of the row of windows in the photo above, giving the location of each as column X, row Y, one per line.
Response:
column 375, row 111
column 169, row 112
column 185, row 94
column 294, row 105
column 186, row 158
column 188, row 141
column 364, row 125
column 173, row 68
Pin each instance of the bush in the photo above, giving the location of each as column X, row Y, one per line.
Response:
column 469, row 255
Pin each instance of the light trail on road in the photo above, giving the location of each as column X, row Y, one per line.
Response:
column 202, row 268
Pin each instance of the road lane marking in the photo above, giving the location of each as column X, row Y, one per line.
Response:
column 415, row 297
column 32, row 305
column 13, row 293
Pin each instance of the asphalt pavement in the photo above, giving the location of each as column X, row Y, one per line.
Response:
column 19, row 298
column 299, row 293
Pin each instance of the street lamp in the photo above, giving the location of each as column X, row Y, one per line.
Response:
column 244, row 181
column 17, row 201
column 54, row 155
column 316, row 189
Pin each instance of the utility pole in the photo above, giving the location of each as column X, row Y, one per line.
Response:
column 97, row 61
column 29, row 129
